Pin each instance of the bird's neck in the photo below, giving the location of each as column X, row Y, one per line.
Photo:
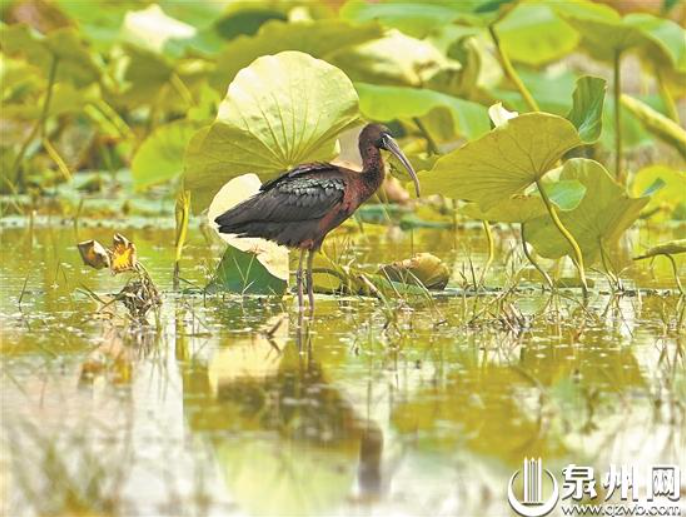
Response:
column 373, row 169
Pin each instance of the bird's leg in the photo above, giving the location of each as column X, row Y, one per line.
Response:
column 310, row 282
column 299, row 280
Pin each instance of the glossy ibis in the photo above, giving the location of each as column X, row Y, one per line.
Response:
column 300, row 207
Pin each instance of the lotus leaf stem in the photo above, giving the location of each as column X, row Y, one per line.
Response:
column 430, row 142
column 512, row 73
column 667, row 98
column 619, row 174
column 38, row 128
column 578, row 257
column 491, row 251
column 182, row 212
column 532, row 260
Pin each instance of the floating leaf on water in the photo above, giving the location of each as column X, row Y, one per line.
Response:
column 675, row 247
column 249, row 265
column 504, row 162
column 123, row 254
column 573, row 283
column 587, row 110
column 94, row 254
column 267, row 131
column 603, row 215
column 423, row 269
column 387, row 103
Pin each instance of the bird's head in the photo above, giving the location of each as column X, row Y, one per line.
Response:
column 380, row 137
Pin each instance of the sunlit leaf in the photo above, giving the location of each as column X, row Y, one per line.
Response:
column 504, row 162
column 667, row 189
column 387, row 103
column 320, row 39
column 151, row 28
column 123, row 254
column 249, row 265
column 74, row 62
column 94, row 254
column 160, row 157
column 566, row 195
column 587, row 108
column 603, row 215
column 268, row 130
column 423, row 269
column 675, row 247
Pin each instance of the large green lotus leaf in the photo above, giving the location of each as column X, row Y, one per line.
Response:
column 504, row 162
column 534, row 34
column 419, row 18
column 319, row 39
column 661, row 41
column 600, row 219
column 75, row 63
column 666, row 35
column 415, row 18
column 587, row 108
column 667, row 190
column 279, row 112
column 552, row 89
column 566, row 195
column 387, row 103
column 160, row 156
column 249, row 265
column 675, row 247
column 395, row 59
column 99, row 21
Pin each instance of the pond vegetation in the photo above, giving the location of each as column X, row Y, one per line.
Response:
column 530, row 303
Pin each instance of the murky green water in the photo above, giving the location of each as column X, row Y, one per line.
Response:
column 413, row 408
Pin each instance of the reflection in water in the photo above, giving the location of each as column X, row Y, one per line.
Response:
column 416, row 408
column 291, row 433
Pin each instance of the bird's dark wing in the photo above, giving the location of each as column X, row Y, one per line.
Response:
column 305, row 193
column 300, row 170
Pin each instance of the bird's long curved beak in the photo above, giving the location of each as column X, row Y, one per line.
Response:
column 393, row 147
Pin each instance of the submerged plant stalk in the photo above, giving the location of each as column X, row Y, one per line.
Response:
column 512, row 73
column 533, row 261
column 676, row 274
column 578, row 257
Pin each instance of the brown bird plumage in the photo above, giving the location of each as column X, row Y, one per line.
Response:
column 300, row 207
